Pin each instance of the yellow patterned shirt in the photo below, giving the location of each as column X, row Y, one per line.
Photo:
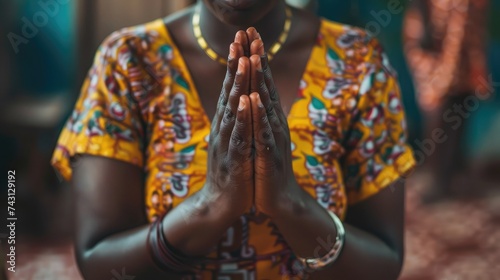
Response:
column 348, row 131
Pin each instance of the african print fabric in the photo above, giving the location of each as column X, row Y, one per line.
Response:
column 139, row 105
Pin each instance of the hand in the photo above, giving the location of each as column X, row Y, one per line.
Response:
column 274, row 179
column 230, row 163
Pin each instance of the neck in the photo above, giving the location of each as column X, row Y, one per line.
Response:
column 220, row 35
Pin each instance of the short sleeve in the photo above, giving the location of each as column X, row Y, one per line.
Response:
column 106, row 120
column 376, row 150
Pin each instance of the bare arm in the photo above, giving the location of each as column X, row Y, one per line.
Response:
column 373, row 247
column 374, row 235
column 111, row 228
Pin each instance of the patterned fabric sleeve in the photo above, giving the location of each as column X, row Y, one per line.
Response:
column 105, row 121
column 376, row 150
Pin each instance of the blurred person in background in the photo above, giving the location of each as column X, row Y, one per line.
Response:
column 321, row 160
column 445, row 46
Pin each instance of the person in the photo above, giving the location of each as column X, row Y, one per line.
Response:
column 283, row 174
column 445, row 46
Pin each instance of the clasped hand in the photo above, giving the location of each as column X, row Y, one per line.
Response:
column 249, row 155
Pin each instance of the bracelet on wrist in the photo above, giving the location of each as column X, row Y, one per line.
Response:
column 333, row 255
column 165, row 256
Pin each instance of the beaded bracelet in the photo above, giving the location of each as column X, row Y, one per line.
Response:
column 165, row 256
column 332, row 256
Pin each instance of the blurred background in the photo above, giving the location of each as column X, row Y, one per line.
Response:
column 453, row 233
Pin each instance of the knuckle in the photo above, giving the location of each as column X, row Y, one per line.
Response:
column 267, row 73
column 274, row 95
column 240, row 148
column 262, row 85
column 275, row 122
column 270, row 109
column 221, row 104
column 236, row 140
column 228, row 115
column 236, row 88
column 264, row 119
column 264, row 135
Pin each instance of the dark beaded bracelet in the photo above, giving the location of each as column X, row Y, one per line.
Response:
column 165, row 256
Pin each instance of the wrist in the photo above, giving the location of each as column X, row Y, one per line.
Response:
column 218, row 204
column 292, row 202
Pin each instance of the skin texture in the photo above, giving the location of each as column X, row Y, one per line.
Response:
column 251, row 107
column 231, row 16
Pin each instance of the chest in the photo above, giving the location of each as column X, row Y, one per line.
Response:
column 176, row 158
column 208, row 79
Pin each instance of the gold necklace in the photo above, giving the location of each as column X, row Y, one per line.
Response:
column 275, row 48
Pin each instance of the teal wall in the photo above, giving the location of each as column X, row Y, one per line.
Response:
column 45, row 65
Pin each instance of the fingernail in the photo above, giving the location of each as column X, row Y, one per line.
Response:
column 242, row 104
column 261, row 49
column 241, row 67
column 258, row 64
column 259, row 102
column 232, row 51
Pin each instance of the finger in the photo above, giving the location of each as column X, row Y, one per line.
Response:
column 257, row 81
column 241, row 84
column 262, row 131
column 257, row 84
column 257, row 48
column 240, row 144
column 271, row 87
column 241, row 37
column 268, row 76
column 252, row 35
column 235, row 53
column 240, row 87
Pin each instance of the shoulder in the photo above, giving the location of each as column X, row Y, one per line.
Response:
column 356, row 71
column 136, row 62
column 136, row 45
column 353, row 51
column 351, row 41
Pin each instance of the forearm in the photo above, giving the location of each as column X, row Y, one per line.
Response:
column 363, row 250
column 195, row 226
column 125, row 253
column 316, row 235
column 192, row 228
